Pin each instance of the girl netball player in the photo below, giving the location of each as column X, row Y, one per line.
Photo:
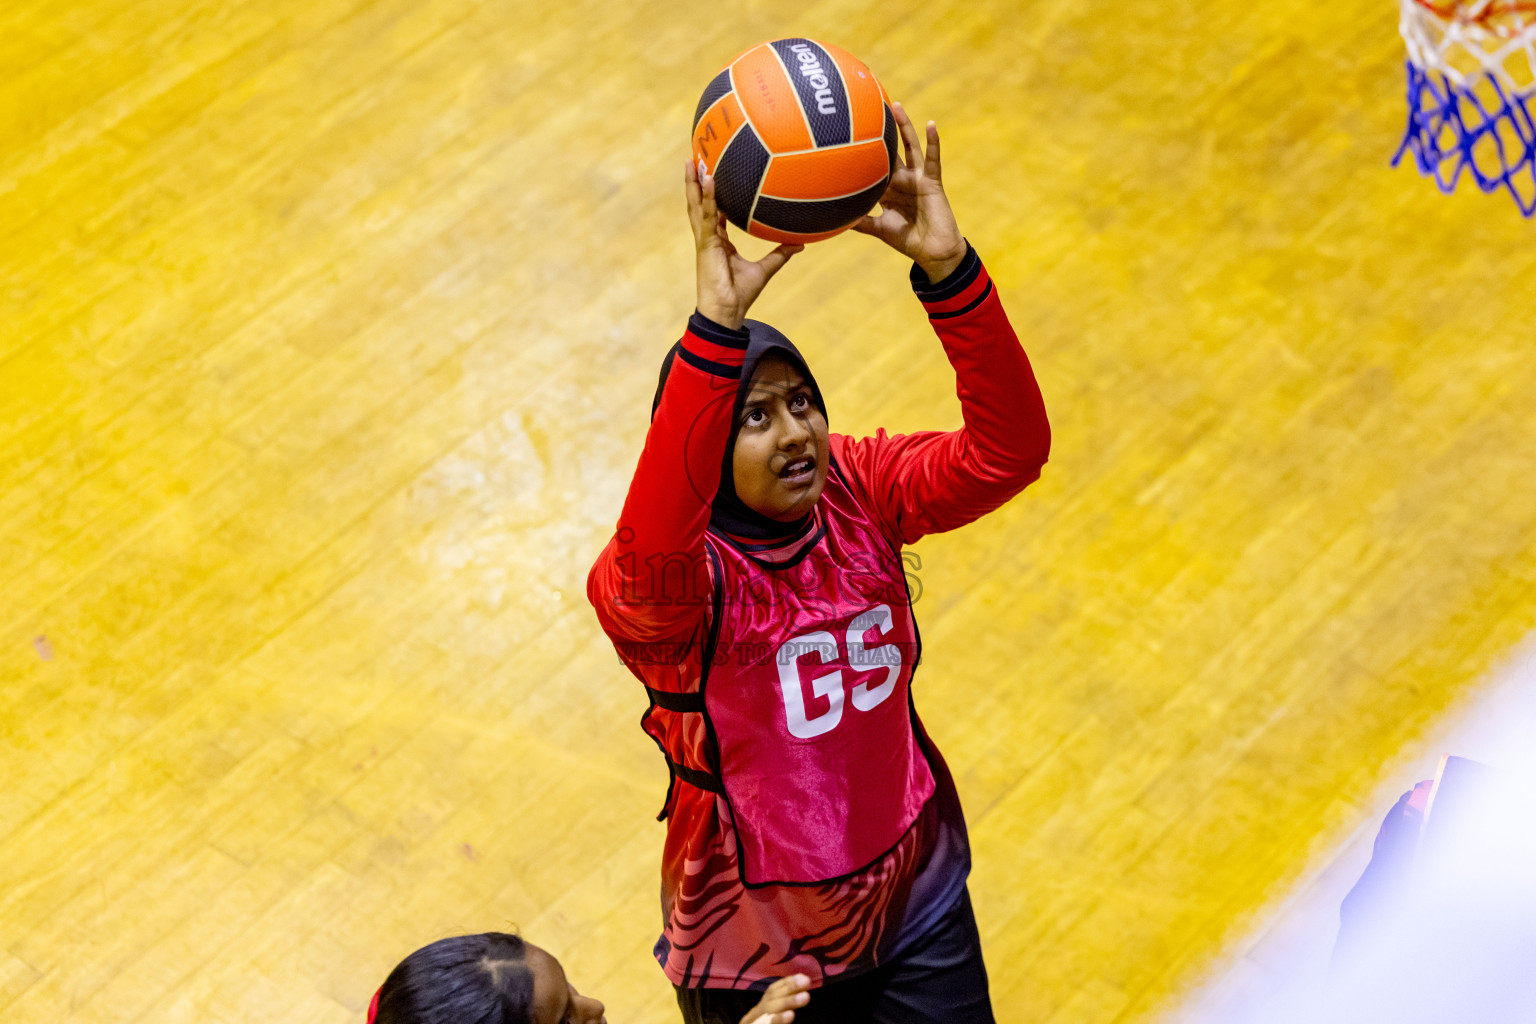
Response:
column 755, row 586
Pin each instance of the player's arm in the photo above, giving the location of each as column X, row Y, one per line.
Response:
column 931, row 482
column 646, row 585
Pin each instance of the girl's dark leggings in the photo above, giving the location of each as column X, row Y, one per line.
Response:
column 940, row 979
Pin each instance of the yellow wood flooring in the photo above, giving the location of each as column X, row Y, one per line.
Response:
column 327, row 335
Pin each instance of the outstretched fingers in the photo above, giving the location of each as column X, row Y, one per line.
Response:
column 867, row 225
column 694, row 195
column 699, row 186
column 707, row 198
column 775, row 260
column 725, row 239
column 780, row 1001
column 909, row 146
column 708, row 225
column 912, row 148
column 885, row 225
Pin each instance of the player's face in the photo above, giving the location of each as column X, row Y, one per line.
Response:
column 780, row 462
column 555, row 999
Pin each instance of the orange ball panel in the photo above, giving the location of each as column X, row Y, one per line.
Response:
column 827, row 173
column 719, row 123
column 769, row 101
column 865, row 96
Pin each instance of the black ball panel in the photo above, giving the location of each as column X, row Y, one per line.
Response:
column 813, row 216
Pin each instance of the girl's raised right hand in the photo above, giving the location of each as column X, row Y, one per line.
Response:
column 780, row 1000
column 728, row 282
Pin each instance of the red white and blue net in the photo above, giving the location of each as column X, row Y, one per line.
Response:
column 1472, row 94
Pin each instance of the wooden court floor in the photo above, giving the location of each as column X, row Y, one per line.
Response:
column 327, row 335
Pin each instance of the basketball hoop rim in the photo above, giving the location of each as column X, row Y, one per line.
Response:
column 1476, row 11
column 1491, row 32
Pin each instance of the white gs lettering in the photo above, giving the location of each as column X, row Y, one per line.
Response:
column 879, row 617
column 830, row 685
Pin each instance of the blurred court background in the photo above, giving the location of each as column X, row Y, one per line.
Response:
column 328, row 336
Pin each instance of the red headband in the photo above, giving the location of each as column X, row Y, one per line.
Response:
column 373, row 1005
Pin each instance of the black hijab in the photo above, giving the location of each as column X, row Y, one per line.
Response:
column 728, row 513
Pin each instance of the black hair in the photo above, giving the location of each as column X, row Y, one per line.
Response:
column 466, row 979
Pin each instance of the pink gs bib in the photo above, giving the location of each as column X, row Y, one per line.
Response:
column 807, row 701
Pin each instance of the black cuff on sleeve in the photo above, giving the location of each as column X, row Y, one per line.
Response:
column 705, row 328
column 954, row 284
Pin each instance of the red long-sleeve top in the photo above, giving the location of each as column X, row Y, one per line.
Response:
column 650, row 590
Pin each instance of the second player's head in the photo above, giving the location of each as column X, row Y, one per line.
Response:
column 489, row 978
